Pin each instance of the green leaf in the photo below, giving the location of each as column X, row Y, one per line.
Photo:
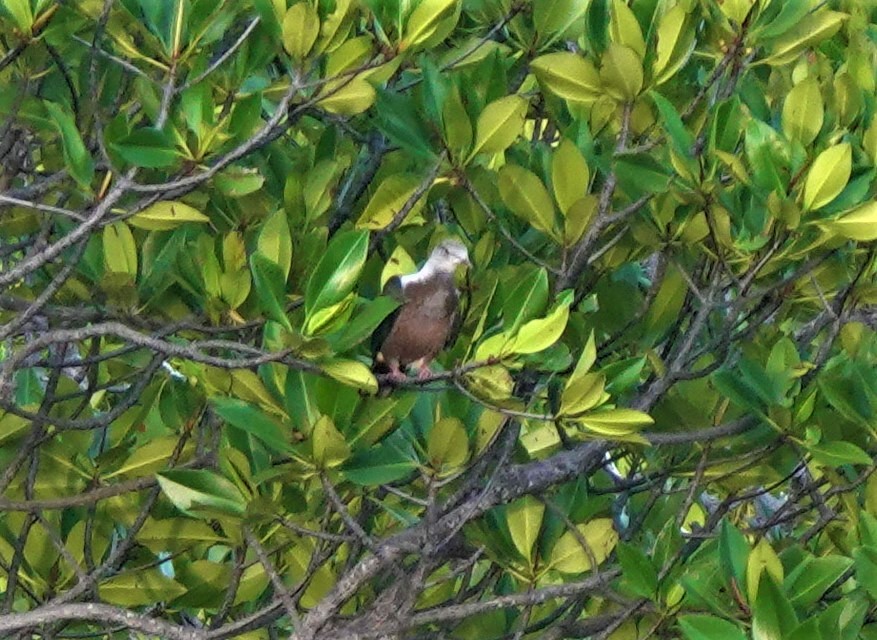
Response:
column 828, row 176
column 638, row 570
column 329, row 447
column 523, row 192
column 624, row 28
column 616, row 421
column 379, row 465
column 148, row 458
column 270, row 288
column 838, row 453
column 142, row 587
column 706, row 627
column 733, row 551
column 353, row 373
column 860, row 224
column 807, row 582
column 237, row 182
column 569, row 76
column 196, row 491
column 76, row 156
column 553, row 18
column 146, row 147
column 301, row 26
column 866, row 568
column 120, row 250
column 568, row 555
column 337, row 271
column 165, row 215
column 524, row 520
column 176, row 534
column 347, row 97
column 803, row 111
column 447, row 445
column 275, row 242
column 582, row 393
column 811, row 29
column 424, row 20
column 621, row 72
column 680, row 137
column 675, row 44
column 773, row 616
column 21, row 13
column 537, row 335
column 526, row 299
column 499, row 125
column 253, row 420
column 388, row 199
column 570, row 175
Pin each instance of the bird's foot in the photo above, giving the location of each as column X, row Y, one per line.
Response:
column 396, row 374
column 424, row 372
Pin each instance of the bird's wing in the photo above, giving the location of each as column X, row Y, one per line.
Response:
column 393, row 289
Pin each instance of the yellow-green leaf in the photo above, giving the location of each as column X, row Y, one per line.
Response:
column 329, row 447
column 828, row 176
column 347, row 97
column 578, row 218
column 301, row 26
column 736, row 10
column 675, row 42
column 762, row 558
column 424, row 21
column 499, row 124
column 569, row 76
column 624, row 28
column 388, row 199
column 621, row 72
column 350, row 55
column 448, row 444
column 523, row 192
column 165, row 215
column 869, row 141
column 352, row 373
column 860, row 224
column 141, row 587
column 539, row 334
column 400, row 263
column 275, row 241
column 813, row 28
column 120, row 250
column 524, row 519
column 456, row 125
column 615, row 422
column 569, row 556
column 569, row 175
column 803, row 111
column 582, row 393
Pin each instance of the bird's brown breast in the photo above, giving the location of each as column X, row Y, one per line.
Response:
column 424, row 321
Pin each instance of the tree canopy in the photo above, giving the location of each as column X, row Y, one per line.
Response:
column 658, row 418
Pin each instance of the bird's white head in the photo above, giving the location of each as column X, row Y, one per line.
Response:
column 447, row 256
column 444, row 259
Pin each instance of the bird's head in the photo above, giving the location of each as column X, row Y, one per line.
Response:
column 447, row 256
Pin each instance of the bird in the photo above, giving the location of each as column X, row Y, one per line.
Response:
column 427, row 318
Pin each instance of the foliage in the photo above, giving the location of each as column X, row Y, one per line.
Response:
column 658, row 418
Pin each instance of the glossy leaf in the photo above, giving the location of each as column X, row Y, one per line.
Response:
column 499, row 125
column 337, row 271
column 568, row 76
column 828, row 176
column 165, row 215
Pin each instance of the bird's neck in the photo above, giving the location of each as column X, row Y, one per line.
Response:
column 430, row 269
